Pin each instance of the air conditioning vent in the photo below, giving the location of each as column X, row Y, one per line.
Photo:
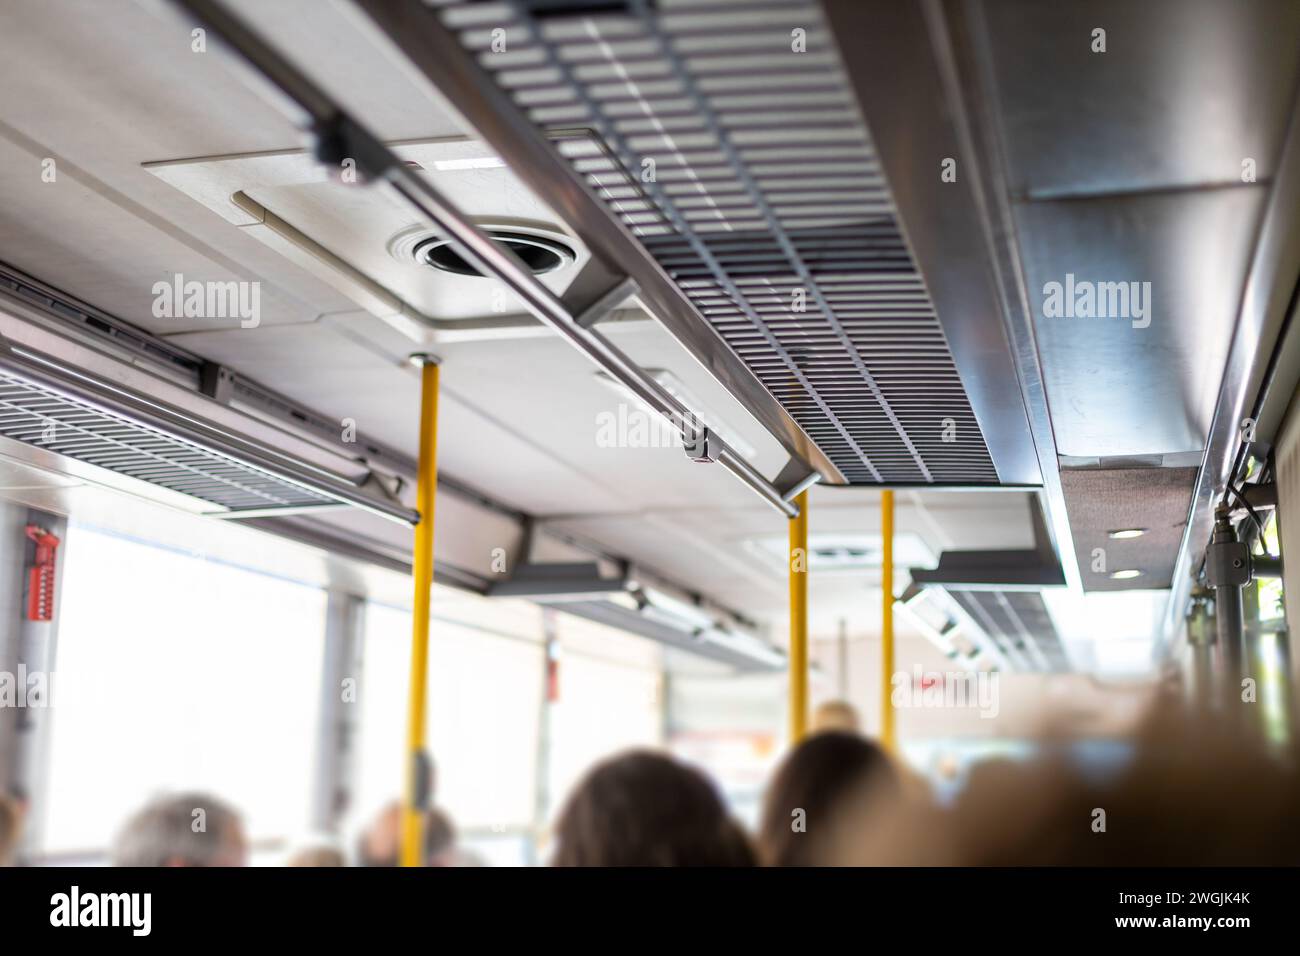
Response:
column 104, row 424
column 540, row 254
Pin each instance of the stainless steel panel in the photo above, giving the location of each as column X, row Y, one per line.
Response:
column 1266, row 304
column 443, row 65
column 927, row 53
column 901, row 93
column 749, row 210
column 1184, row 92
column 1115, row 389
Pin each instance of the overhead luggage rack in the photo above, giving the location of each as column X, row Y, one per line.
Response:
column 726, row 139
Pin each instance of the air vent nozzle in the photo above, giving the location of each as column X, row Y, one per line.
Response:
column 541, row 254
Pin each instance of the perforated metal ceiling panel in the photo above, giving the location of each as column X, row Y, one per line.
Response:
column 67, row 426
column 726, row 138
column 1019, row 623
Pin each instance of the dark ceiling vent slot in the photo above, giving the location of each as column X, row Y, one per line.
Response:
column 545, row 9
column 540, row 254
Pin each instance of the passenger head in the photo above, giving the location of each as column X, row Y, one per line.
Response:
column 439, row 839
column 189, row 829
column 1191, row 793
column 828, row 785
column 1195, row 794
column 320, row 851
column 647, row 809
column 836, row 715
column 381, row 843
column 11, row 819
column 320, row 855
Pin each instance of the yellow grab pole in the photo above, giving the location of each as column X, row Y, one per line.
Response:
column 887, row 619
column 417, row 766
column 799, row 620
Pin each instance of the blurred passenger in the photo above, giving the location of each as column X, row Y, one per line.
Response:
column 647, row 809
column 11, row 829
column 439, row 839
column 1192, row 795
column 441, row 845
column 188, row 829
column 835, row 715
column 320, row 854
column 1195, row 794
column 830, row 785
column 381, row 842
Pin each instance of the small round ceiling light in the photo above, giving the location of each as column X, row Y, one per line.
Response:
column 1125, row 575
column 1126, row 533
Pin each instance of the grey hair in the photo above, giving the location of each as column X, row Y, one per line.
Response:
column 165, row 831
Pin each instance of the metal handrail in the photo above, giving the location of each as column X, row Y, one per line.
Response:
column 338, row 137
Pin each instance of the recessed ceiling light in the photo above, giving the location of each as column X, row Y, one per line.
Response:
column 1129, row 533
column 1126, row 574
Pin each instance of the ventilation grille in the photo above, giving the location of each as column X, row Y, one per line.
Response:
column 743, row 166
column 68, row 426
column 1019, row 624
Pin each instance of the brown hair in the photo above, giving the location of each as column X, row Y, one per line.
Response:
column 439, row 837
column 10, row 821
column 317, row 856
column 646, row 809
column 830, row 777
column 1193, row 792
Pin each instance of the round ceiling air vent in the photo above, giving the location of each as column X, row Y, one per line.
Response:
column 541, row 254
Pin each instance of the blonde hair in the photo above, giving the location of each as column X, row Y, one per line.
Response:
column 836, row 715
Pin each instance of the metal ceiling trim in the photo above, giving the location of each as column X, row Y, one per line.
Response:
column 46, row 315
column 906, row 102
column 299, row 528
column 94, row 402
column 923, row 93
column 447, row 72
column 739, row 222
column 337, row 135
column 1267, row 301
column 744, row 652
column 75, row 334
column 669, row 209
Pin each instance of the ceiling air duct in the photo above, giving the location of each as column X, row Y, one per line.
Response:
column 75, row 402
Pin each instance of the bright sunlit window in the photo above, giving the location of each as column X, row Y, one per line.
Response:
column 609, row 700
column 178, row 673
column 485, row 690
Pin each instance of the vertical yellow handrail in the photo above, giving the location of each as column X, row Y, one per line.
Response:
column 799, row 620
column 422, row 572
column 887, row 619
